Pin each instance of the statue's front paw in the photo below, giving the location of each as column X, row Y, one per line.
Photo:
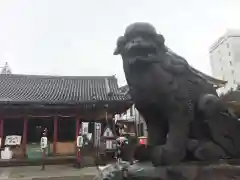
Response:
column 157, row 156
column 161, row 155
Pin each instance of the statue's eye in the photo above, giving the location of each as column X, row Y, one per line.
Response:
column 149, row 36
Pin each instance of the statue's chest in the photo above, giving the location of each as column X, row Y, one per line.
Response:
column 151, row 85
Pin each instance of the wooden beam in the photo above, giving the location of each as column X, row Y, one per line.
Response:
column 55, row 132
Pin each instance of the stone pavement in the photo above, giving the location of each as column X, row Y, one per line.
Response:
column 51, row 172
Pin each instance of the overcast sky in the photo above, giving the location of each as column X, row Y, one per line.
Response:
column 77, row 37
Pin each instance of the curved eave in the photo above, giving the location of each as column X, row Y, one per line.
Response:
column 217, row 83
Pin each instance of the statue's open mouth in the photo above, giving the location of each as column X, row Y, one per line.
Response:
column 141, row 51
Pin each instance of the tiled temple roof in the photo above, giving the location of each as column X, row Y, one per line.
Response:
column 124, row 90
column 17, row 89
column 217, row 83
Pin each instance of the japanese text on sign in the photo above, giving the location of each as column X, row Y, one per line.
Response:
column 13, row 140
column 43, row 142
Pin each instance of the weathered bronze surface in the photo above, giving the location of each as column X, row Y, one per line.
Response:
column 185, row 118
column 190, row 130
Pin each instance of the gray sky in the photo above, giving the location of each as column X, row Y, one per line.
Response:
column 77, row 37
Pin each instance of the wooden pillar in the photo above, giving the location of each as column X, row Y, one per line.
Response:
column 77, row 133
column 77, row 127
column 55, row 132
column 1, row 128
column 24, row 136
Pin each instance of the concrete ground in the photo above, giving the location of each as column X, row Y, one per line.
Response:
column 51, row 172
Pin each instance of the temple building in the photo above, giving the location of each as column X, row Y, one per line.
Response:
column 31, row 103
column 65, row 106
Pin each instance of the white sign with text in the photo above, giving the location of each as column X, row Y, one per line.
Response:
column 44, row 142
column 13, row 140
column 79, row 141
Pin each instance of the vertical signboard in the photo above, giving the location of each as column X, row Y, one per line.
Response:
column 97, row 134
column 84, row 127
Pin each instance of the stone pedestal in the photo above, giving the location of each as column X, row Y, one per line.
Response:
column 221, row 170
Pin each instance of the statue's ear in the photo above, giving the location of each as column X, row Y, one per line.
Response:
column 120, row 44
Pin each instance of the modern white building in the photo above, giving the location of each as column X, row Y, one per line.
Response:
column 225, row 59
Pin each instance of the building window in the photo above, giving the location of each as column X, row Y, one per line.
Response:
column 229, row 53
column 234, row 81
column 232, row 71
column 227, row 45
column 230, row 62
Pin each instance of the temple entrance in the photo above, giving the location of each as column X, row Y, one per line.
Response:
column 66, row 137
column 35, row 128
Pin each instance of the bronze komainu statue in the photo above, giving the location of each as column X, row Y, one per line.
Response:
column 184, row 115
